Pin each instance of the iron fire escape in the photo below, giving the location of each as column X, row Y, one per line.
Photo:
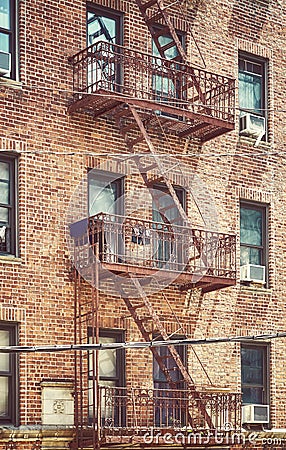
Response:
column 201, row 106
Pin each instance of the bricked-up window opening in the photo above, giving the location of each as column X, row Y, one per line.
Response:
column 7, row 205
column 103, row 25
column 254, row 234
column 252, row 88
column 254, row 374
column 111, row 367
column 8, row 35
column 165, row 83
column 8, row 382
column 170, row 403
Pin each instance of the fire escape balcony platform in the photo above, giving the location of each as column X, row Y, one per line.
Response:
column 186, row 100
column 179, row 255
column 140, row 416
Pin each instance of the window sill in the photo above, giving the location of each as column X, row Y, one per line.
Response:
column 10, row 259
column 251, row 141
column 255, row 288
column 9, row 83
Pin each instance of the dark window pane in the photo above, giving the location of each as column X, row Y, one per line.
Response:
column 250, row 226
column 250, row 255
column 253, row 374
column 170, row 364
column 253, row 67
column 252, row 395
column 8, row 375
column 7, row 205
column 252, row 365
column 241, row 65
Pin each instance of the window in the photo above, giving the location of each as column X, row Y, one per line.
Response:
column 8, row 33
column 104, row 25
column 171, row 405
column 159, row 378
column 167, row 80
column 111, row 362
column 111, row 368
column 254, row 374
column 7, row 376
column 252, row 86
column 253, row 234
column 7, row 205
column 168, row 244
column 105, row 191
column 105, row 195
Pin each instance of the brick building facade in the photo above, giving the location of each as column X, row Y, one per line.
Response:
column 164, row 124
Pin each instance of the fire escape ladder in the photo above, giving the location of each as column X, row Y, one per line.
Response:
column 154, row 11
column 160, row 166
column 157, row 163
column 147, row 314
column 158, row 13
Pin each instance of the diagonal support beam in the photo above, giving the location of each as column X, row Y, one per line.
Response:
column 159, row 164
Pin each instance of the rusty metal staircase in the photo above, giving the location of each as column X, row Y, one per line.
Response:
column 147, row 311
column 162, row 175
column 157, row 162
column 133, row 123
column 154, row 12
column 142, row 311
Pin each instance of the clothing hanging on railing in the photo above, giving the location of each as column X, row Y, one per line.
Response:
column 140, row 235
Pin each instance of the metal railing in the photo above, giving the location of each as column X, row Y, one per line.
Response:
column 104, row 66
column 139, row 410
column 148, row 244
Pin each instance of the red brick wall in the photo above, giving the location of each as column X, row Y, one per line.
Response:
column 53, row 149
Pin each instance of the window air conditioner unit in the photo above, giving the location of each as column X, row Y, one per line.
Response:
column 255, row 414
column 5, row 63
column 252, row 125
column 251, row 272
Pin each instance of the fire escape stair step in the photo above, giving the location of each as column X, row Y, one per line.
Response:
column 155, row 18
column 147, row 169
column 161, row 32
column 141, row 305
column 145, row 6
column 166, row 47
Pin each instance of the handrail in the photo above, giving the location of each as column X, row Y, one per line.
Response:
column 123, row 218
column 156, row 245
column 141, row 408
column 128, row 72
column 93, row 49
